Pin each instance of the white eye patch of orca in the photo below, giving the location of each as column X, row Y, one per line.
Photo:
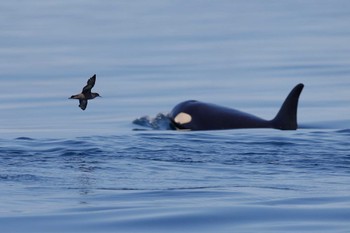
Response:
column 183, row 118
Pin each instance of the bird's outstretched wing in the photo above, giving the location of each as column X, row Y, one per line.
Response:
column 83, row 103
column 90, row 84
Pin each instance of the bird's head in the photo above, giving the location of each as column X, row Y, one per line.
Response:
column 95, row 95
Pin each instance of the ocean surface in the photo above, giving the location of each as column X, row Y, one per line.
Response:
column 117, row 167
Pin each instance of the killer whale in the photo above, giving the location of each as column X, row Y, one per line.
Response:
column 196, row 115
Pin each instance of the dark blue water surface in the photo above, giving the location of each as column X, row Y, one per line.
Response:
column 116, row 167
column 260, row 180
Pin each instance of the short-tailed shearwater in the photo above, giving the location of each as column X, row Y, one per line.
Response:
column 86, row 93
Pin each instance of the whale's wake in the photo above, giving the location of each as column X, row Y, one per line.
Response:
column 160, row 122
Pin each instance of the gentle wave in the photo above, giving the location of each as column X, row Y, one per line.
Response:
column 299, row 149
column 198, row 212
column 148, row 181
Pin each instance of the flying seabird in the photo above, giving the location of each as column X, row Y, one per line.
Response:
column 86, row 93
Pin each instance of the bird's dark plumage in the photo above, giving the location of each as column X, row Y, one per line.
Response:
column 86, row 93
column 83, row 103
column 89, row 85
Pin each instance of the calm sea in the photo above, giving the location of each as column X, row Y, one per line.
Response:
column 67, row 170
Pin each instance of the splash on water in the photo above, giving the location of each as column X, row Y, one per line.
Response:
column 160, row 122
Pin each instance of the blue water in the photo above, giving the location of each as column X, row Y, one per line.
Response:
column 260, row 180
column 67, row 170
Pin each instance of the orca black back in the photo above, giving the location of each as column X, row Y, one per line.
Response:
column 196, row 115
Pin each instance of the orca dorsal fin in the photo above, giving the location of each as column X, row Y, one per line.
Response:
column 286, row 118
